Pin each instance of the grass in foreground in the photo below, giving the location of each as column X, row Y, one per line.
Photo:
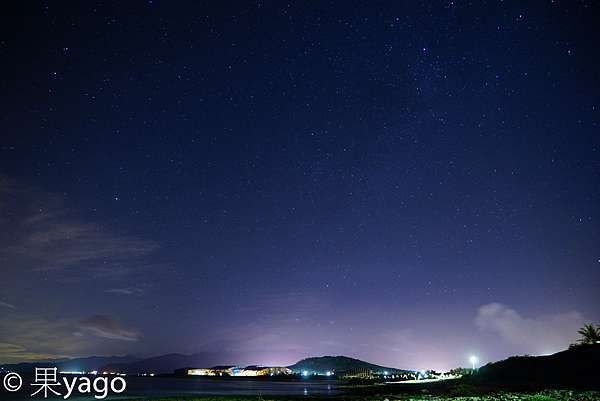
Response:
column 546, row 395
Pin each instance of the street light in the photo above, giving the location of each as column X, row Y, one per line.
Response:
column 473, row 360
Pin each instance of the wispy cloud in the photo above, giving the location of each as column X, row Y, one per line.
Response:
column 7, row 305
column 36, row 338
column 58, row 243
column 125, row 291
column 44, row 242
column 42, row 233
column 107, row 327
column 540, row 334
column 17, row 353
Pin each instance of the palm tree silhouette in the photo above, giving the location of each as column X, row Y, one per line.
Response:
column 589, row 334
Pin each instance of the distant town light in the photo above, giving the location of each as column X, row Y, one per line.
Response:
column 385, row 372
column 305, row 373
column 328, row 373
column 473, row 359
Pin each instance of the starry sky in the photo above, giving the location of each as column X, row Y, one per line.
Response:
column 407, row 183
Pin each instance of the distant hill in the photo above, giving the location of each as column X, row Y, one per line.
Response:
column 339, row 364
column 74, row 364
column 169, row 363
column 574, row 367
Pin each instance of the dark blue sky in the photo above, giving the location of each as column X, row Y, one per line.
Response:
column 404, row 183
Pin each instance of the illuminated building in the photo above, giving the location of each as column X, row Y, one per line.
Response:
column 229, row 370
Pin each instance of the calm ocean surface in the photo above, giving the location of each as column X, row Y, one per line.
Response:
column 144, row 387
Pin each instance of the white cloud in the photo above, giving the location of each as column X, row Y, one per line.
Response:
column 107, row 327
column 125, row 291
column 536, row 335
column 7, row 305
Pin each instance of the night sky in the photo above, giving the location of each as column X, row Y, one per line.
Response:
column 407, row 184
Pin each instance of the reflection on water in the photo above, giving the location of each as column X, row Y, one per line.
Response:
column 181, row 386
column 176, row 386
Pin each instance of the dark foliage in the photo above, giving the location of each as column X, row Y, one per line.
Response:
column 575, row 367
